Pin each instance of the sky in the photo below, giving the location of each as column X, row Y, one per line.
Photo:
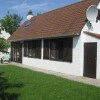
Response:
column 21, row 7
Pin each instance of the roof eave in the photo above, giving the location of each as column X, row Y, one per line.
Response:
column 46, row 37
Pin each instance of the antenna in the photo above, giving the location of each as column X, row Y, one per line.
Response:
column 92, row 13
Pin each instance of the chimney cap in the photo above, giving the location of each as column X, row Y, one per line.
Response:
column 30, row 12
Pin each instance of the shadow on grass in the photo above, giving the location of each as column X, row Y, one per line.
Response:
column 4, row 85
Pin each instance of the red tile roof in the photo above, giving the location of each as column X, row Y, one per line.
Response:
column 68, row 20
column 93, row 34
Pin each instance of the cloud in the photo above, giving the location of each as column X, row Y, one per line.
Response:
column 25, row 6
column 12, row 1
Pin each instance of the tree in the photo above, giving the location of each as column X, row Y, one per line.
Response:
column 10, row 22
column 4, row 45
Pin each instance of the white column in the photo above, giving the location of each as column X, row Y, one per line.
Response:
column 42, row 47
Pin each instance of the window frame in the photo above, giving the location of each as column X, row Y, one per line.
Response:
column 58, row 49
column 28, row 48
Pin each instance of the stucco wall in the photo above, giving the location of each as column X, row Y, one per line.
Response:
column 95, row 28
column 86, row 39
column 63, row 67
column 77, row 65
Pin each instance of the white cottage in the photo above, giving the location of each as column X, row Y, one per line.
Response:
column 60, row 40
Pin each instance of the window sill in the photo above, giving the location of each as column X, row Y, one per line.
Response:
column 58, row 60
column 32, row 57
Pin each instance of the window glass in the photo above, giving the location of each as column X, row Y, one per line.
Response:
column 30, row 44
column 58, row 49
column 46, row 49
column 32, row 48
column 38, row 49
column 53, row 50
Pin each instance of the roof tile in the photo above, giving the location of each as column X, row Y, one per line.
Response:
column 67, row 20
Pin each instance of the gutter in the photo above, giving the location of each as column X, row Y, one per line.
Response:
column 46, row 37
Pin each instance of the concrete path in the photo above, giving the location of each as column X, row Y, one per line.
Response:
column 95, row 82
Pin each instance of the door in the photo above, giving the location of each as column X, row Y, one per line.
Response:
column 90, row 56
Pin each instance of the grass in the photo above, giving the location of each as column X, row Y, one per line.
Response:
column 22, row 84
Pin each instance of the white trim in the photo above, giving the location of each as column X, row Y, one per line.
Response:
column 22, row 51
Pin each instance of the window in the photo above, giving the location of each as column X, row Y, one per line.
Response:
column 46, row 49
column 38, row 49
column 29, row 23
column 16, row 51
column 53, row 49
column 58, row 49
column 67, row 50
column 30, row 45
column 60, row 46
column 25, row 48
column 32, row 48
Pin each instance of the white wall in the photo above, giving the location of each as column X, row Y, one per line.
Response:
column 87, row 38
column 95, row 28
column 77, row 65
column 63, row 67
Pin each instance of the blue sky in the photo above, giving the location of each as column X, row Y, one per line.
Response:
column 23, row 6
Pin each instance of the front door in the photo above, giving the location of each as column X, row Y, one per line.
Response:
column 90, row 56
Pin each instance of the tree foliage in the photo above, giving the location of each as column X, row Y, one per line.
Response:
column 4, row 45
column 10, row 22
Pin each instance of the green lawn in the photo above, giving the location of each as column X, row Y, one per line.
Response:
column 22, row 84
